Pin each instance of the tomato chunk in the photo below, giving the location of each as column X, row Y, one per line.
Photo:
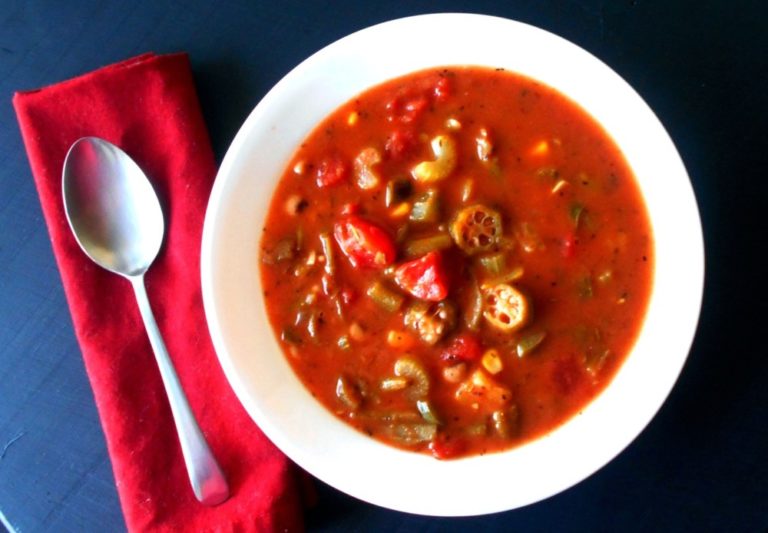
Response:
column 331, row 171
column 424, row 278
column 364, row 243
column 399, row 144
column 463, row 347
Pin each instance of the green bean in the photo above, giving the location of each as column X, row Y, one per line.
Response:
column 386, row 298
column 423, row 245
column 529, row 342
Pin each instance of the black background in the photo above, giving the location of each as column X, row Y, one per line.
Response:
column 702, row 66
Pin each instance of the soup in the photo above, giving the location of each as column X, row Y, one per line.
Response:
column 457, row 261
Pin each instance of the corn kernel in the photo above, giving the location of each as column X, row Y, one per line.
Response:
column 353, row 118
column 491, row 361
column 300, row 167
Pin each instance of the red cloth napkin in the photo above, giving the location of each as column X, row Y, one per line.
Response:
column 148, row 106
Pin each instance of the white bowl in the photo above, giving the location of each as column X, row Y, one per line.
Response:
column 266, row 385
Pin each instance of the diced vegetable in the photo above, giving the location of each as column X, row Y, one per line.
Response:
column 427, row 412
column 348, row 394
column 493, row 263
column 529, row 342
column 480, row 388
column 411, row 434
column 331, row 171
column 464, row 347
column 476, row 229
column 505, row 421
column 426, row 208
column 386, row 298
column 400, row 143
column 397, row 190
column 491, row 361
column 445, row 151
column 284, row 250
column 410, row 368
column 424, row 278
column 364, row 243
column 455, row 373
column 424, row 245
column 505, row 307
column 367, row 178
column 431, row 321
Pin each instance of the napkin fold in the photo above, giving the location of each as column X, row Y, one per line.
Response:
column 148, row 106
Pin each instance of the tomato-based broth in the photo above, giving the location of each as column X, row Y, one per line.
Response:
column 457, row 261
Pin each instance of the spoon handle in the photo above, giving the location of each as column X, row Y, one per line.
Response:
column 205, row 475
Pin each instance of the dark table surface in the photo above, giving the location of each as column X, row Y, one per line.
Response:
column 702, row 66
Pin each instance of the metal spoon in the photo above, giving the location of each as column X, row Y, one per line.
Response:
column 117, row 221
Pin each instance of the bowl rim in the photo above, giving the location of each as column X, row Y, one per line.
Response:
column 281, row 431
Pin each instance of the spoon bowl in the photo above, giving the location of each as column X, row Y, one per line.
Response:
column 116, row 218
column 112, row 208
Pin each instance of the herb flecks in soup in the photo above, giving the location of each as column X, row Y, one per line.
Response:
column 457, row 261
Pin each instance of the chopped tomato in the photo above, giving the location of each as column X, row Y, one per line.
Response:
column 445, row 447
column 364, row 243
column 400, row 143
column 463, row 347
column 331, row 171
column 407, row 108
column 424, row 278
